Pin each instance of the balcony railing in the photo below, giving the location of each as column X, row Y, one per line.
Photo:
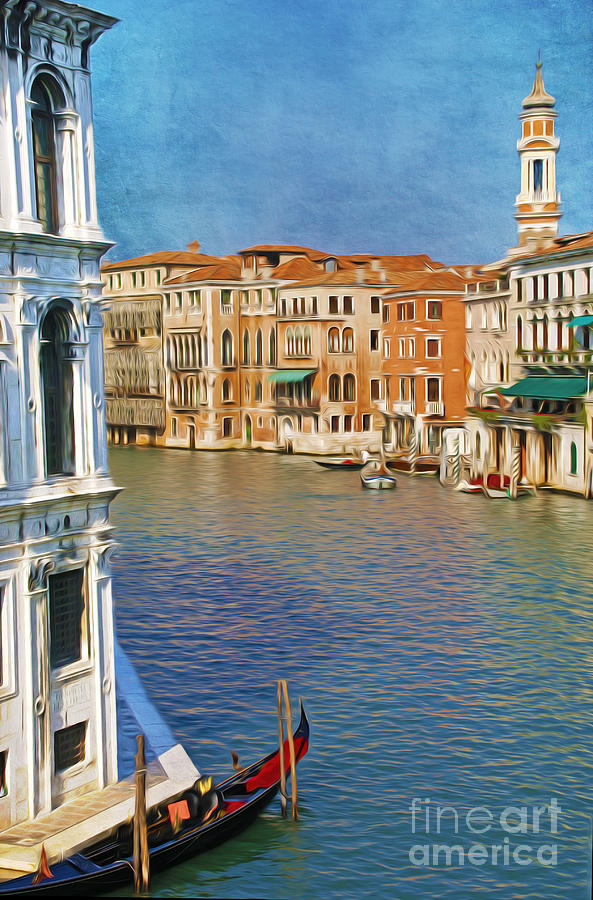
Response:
column 403, row 407
column 435, row 408
column 136, row 411
column 558, row 357
column 313, row 402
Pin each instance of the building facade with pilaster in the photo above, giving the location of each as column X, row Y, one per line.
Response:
column 529, row 335
column 57, row 690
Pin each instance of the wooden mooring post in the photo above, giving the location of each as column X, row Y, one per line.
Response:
column 141, row 859
column 287, row 717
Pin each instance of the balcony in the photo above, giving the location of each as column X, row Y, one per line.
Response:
column 300, row 403
column 404, row 407
column 435, row 408
column 579, row 357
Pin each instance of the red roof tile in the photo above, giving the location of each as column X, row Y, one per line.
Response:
column 163, row 258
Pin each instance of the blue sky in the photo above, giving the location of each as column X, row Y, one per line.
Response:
column 350, row 126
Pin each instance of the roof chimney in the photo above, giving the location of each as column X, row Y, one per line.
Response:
column 194, row 247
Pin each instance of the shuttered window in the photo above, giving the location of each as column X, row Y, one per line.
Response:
column 66, row 608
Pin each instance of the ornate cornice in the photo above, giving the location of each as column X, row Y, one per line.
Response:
column 66, row 22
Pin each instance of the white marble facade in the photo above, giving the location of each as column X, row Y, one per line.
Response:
column 57, row 691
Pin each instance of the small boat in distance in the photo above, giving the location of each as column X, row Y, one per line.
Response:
column 421, row 465
column 375, row 474
column 340, row 462
column 176, row 832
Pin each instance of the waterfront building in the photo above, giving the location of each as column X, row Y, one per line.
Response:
column 529, row 338
column 58, row 741
column 57, row 695
column 133, row 335
column 277, row 347
column 423, row 350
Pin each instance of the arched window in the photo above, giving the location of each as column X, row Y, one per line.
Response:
column 478, row 446
column 519, row 333
column 347, row 340
column 545, row 339
column 227, row 390
column 227, row 348
column 307, row 341
column 44, row 156
column 290, row 342
column 205, row 350
column 334, row 387
column 298, row 341
column 259, row 348
column 272, row 348
column 573, row 459
column 349, row 387
column 258, row 391
column 245, row 348
column 56, row 382
column 333, row 340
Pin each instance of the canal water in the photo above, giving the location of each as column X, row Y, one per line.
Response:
column 441, row 643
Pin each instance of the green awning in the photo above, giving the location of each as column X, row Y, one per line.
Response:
column 544, row 387
column 580, row 320
column 290, row 376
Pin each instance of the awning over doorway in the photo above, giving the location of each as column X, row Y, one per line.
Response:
column 290, row 376
column 545, row 387
column 580, row 320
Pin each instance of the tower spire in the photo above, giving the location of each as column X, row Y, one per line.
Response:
column 538, row 203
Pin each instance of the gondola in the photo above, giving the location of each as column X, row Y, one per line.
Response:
column 107, row 865
column 340, row 462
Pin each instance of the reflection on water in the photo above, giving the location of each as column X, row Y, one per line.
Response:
column 441, row 643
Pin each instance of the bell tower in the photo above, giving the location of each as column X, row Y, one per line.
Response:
column 538, row 204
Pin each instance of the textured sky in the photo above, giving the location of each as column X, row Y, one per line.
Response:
column 345, row 125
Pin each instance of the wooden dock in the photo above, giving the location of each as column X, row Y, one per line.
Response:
column 89, row 818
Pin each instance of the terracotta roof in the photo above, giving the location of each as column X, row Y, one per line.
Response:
column 287, row 248
column 297, row 269
column 441, row 280
column 400, row 263
column 228, row 269
column 163, row 258
column 565, row 244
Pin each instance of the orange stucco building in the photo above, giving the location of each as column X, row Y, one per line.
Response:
column 423, row 349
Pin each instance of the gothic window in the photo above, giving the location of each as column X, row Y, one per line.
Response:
column 258, row 348
column 307, row 341
column 298, row 339
column 44, row 157
column 349, row 387
column 227, row 348
column 56, row 381
column 272, row 348
column 347, row 340
column 227, row 391
column 245, row 348
column 334, row 387
column 290, row 342
column 258, row 391
column 573, row 459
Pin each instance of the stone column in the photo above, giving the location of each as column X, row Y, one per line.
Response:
column 67, row 155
